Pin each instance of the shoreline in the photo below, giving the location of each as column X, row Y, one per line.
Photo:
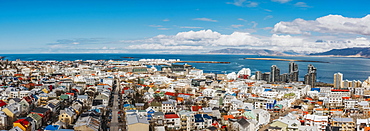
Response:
column 277, row 59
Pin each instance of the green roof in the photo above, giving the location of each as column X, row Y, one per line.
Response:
column 64, row 97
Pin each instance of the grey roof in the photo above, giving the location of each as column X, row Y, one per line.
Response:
column 343, row 119
column 244, row 123
column 134, row 118
column 89, row 122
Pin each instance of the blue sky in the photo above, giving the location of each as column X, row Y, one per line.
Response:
column 180, row 26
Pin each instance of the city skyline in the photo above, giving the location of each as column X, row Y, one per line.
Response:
column 181, row 26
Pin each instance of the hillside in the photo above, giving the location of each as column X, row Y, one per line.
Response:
column 246, row 51
column 357, row 51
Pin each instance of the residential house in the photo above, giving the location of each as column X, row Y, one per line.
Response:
column 103, row 98
column 158, row 118
column 172, row 121
column 3, row 120
column 343, row 123
column 37, row 118
column 320, row 122
column 286, row 123
column 12, row 112
column 187, row 120
column 168, row 106
column 88, row 123
column 67, row 116
column 243, row 125
column 43, row 112
column 23, row 124
column 137, row 122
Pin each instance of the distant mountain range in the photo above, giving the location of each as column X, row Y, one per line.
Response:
column 351, row 52
column 346, row 52
column 246, row 51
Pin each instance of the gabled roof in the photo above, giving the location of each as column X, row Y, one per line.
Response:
column 244, row 123
column 171, row 116
column 40, row 110
column 2, row 103
column 36, row 117
column 23, row 122
column 198, row 118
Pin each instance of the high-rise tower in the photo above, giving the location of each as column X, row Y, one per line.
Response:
column 274, row 74
column 310, row 77
column 293, row 72
column 338, row 78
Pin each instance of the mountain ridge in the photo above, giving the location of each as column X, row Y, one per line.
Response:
column 354, row 52
column 246, row 51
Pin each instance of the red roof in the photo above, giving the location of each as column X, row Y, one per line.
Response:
column 170, row 93
column 23, row 122
column 2, row 103
column 196, row 108
column 28, row 99
column 170, row 116
column 72, row 94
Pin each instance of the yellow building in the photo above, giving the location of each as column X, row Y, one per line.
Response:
column 23, row 124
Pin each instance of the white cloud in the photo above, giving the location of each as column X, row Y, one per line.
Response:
column 268, row 17
column 241, row 19
column 268, row 10
column 166, row 20
column 326, row 24
column 206, row 40
column 301, row 4
column 243, row 3
column 205, row 19
column 155, row 25
column 164, row 47
column 163, row 28
column 254, row 24
column 252, row 4
column 237, row 26
column 281, row 1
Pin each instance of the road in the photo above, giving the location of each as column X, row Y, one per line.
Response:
column 115, row 125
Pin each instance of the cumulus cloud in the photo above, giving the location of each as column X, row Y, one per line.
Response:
column 326, row 24
column 281, row 1
column 206, row 40
column 165, row 20
column 301, row 4
column 205, row 19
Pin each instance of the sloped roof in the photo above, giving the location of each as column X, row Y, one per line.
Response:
column 244, row 123
column 36, row 117
column 2, row 103
column 170, row 116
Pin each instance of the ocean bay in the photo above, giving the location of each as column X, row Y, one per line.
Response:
column 351, row 68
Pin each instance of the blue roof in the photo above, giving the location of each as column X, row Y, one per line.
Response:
column 268, row 89
column 52, row 127
column 315, row 89
column 206, row 116
column 198, row 118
